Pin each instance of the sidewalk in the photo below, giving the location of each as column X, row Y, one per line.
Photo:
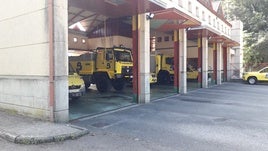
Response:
column 25, row 130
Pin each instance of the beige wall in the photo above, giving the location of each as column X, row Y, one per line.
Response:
column 167, row 47
column 163, row 47
column 80, row 44
column 192, row 52
column 109, row 41
column 24, row 58
column 210, row 58
column 23, row 35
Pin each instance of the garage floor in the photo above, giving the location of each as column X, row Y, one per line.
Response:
column 192, row 85
column 93, row 102
column 228, row 117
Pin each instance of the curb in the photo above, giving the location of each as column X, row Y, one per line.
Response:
column 7, row 136
column 23, row 139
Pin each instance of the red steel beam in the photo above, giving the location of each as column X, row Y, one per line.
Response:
column 135, row 54
column 176, row 61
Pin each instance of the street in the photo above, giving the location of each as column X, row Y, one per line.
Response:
column 232, row 116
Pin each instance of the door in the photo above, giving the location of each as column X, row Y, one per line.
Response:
column 263, row 76
column 110, row 62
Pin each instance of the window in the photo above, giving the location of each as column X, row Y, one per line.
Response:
column 166, row 38
column 159, row 39
column 71, row 69
column 197, row 12
column 209, row 19
column 170, row 61
column 180, row 3
column 203, row 16
column 123, row 56
column 264, row 70
column 109, row 55
column 189, row 6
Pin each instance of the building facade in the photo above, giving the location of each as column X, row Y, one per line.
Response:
column 35, row 42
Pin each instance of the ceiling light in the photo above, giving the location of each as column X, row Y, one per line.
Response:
column 149, row 16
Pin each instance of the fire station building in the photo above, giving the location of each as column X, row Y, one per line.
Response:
column 39, row 36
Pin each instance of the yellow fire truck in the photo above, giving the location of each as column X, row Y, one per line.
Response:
column 105, row 67
column 163, row 66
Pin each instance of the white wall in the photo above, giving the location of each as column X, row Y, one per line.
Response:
column 24, row 57
column 203, row 14
column 237, row 61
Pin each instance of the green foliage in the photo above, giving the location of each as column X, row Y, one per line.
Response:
column 252, row 58
column 262, row 49
column 254, row 15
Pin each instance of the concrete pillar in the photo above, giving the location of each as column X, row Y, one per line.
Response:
column 144, row 57
column 204, row 62
column 237, row 58
column 176, row 62
column 229, row 72
column 219, row 62
column 60, row 56
column 182, row 61
column 141, row 55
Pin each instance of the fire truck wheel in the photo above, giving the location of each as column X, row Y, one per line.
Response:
column 102, row 83
column 87, row 85
column 163, row 77
column 118, row 84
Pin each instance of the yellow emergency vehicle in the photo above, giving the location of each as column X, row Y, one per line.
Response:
column 254, row 77
column 75, row 83
column 192, row 74
column 105, row 67
column 163, row 66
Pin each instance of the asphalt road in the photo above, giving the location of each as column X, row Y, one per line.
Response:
column 229, row 117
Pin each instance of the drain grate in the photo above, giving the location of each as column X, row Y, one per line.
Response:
column 100, row 124
column 194, row 100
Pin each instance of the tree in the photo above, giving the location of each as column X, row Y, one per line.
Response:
column 254, row 15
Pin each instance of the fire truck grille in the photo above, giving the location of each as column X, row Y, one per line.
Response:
column 128, row 71
column 74, row 87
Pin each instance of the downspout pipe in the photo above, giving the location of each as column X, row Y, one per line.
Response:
column 51, row 60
